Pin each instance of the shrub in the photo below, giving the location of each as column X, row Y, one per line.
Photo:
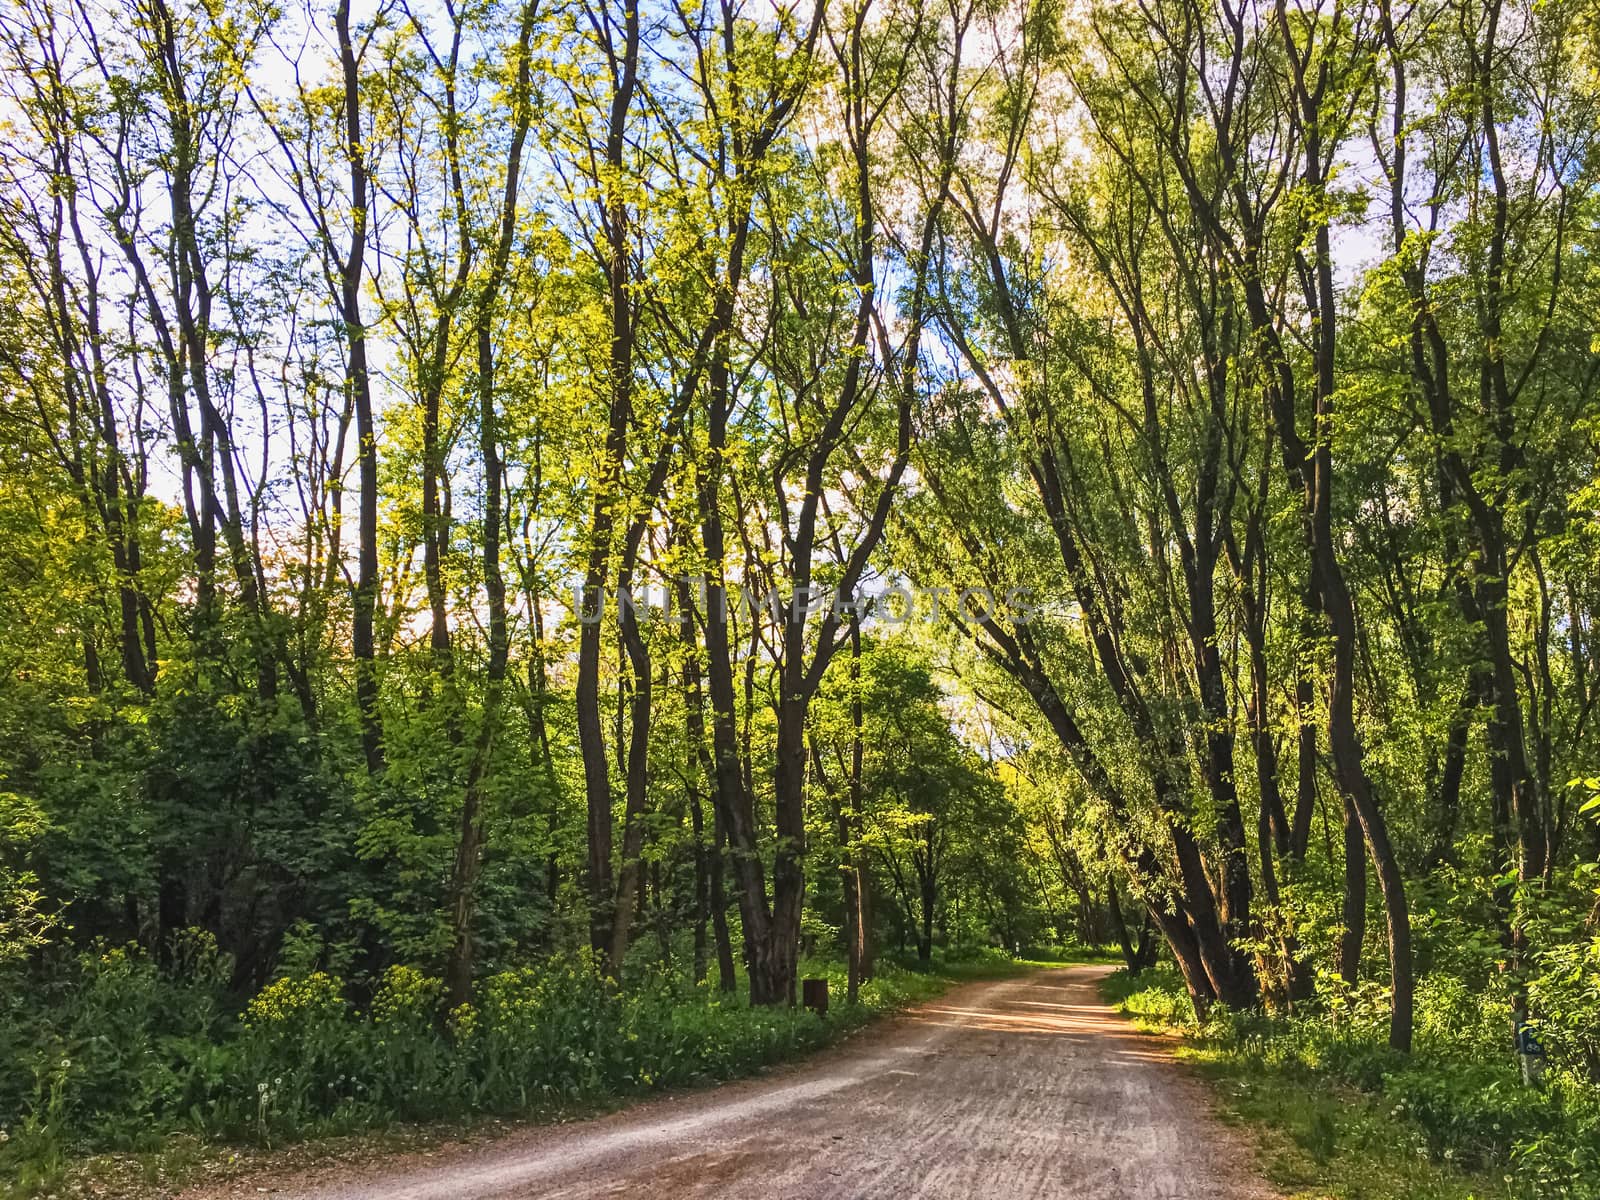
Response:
column 1156, row 996
column 132, row 1054
column 1460, row 1090
column 142, row 1046
column 547, row 1033
column 410, row 1066
column 1565, row 992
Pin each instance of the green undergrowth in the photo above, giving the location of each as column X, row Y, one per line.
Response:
column 1075, row 952
column 1338, row 1114
column 139, row 1074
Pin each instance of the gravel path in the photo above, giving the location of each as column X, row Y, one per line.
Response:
column 1022, row 1089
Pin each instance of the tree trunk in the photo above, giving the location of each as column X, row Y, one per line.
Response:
column 365, row 601
column 637, row 778
column 927, row 863
column 849, row 823
column 702, row 884
column 726, row 977
column 1119, row 929
column 1312, row 475
column 474, row 819
column 1353, row 913
column 1305, row 701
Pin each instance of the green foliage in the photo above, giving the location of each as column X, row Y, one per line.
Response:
column 1297, row 473
column 129, row 1054
column 1155, row 998
column 942, row 833
column 26, row 920
column 1458, row 1102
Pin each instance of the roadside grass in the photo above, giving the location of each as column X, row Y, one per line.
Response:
column 1061, row 955
column 667, row 1040
column 1322, row 1142
column 1336, row 1117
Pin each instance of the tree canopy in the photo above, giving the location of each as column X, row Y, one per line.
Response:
column 710, row 484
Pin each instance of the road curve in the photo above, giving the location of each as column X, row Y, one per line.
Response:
column 1023, row 1089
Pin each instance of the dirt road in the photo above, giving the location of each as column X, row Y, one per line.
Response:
column 1023, row 1089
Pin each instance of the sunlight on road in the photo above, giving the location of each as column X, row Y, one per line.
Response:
column 1030, row 1089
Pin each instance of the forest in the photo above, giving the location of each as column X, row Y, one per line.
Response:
column 529, row 527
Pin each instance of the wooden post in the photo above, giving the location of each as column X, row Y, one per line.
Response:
column 814, row 995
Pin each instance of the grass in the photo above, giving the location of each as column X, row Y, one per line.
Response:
column 1058, row 955
column 1316, row 1139
column 1318, row 1142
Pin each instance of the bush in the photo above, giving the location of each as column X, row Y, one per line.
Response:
column 120, row 1047
column 1156, row 996
column 1566, row 993
column 1460, row 1091
column 132, row 1054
